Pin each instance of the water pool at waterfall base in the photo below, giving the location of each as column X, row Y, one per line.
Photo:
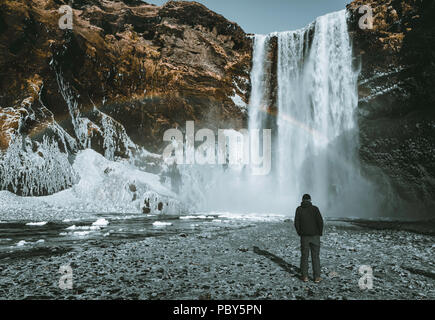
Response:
column 212, row 256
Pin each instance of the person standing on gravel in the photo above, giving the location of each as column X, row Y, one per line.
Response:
column 309, row 226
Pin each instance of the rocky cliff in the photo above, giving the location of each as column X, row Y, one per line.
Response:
column 123, row 74
column 396, row 96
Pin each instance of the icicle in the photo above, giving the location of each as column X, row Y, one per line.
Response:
column 45, row 171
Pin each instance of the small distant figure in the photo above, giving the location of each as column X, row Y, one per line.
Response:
column 309, row 226
column 172, row 172
column 175, row 176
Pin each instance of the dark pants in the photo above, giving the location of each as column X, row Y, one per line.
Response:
column 310, row 243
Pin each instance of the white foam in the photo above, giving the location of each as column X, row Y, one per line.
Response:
column 188, row 217
column 38, row 224
column 75, row 233
column 101, row 222
column 81, row 233
column 74, row 227
column 71, row 220
column 161, row 224
column 21, row 243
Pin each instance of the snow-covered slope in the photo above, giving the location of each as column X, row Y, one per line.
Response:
column 103, row 186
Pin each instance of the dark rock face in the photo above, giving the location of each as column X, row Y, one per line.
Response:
column 396, row 96
column 123, row 74
column 147, row 67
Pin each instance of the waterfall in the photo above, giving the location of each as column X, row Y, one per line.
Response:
column 303, row 88
column 259, row 83
column 316, row 141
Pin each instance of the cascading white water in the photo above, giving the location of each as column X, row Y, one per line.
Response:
column 317, row 137
column 257, row 101
column 317, row 97
column 315, row 134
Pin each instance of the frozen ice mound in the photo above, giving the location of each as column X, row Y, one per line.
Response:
column 37, row 224
column 161, row 224
column 35, row 168
column 104, row 186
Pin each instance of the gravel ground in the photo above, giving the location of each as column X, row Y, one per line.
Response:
column 253, row 261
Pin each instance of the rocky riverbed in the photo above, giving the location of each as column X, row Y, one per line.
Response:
column 244, row 259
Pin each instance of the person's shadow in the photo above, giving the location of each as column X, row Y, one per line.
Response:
column 293, row 270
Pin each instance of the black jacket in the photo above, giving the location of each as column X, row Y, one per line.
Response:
column 308, row 220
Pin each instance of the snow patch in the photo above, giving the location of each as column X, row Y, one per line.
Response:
column 104, row 186
column 195, row 217
column 81, row 233
column 21, row 243
column 238, row 101
column 38, row 224
column 161, row 224
column 101, row 223
column 74, row 227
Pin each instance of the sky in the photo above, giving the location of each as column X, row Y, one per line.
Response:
column 265, row 16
